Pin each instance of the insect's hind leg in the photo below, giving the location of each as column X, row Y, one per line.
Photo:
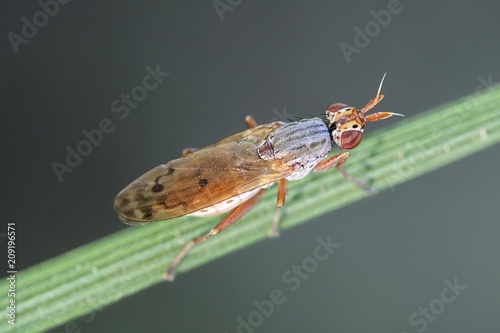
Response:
column 251, row 123
column 229, row 219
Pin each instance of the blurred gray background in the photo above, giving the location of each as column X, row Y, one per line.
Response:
column 398, row 247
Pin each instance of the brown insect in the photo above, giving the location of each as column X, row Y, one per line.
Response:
column 232, row 174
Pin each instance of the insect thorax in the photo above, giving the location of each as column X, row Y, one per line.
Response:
column 302, row 145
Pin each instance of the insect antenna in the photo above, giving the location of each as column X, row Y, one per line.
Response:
column 371, row 104
column 374, row 101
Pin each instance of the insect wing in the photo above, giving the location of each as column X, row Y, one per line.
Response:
column 201, row 179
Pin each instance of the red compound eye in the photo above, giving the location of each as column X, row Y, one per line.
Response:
column 349, row 139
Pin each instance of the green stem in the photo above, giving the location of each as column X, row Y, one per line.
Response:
column 104, row 271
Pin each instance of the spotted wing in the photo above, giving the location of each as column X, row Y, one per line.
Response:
column 199, row 180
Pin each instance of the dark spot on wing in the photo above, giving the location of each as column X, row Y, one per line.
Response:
column 139, row 197
column 147, row 212
column 129, row 213
column 124, row 202
column 157, row 188
column 170, row 171
column 148, row 215
column 203, row 182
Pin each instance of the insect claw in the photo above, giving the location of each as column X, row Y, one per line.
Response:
column 367, row 189
column 275, row 230
column 169, row 276
column 273, row 234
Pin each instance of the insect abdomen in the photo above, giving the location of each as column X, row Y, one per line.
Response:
column 226, row 205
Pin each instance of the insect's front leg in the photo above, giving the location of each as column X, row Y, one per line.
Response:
column 229, row 219
column 338, row 161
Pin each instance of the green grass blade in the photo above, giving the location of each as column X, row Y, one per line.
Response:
column 104, row 271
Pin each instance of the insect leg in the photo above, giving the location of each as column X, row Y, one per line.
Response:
column 275, row 229
column 188, row 151
column 251, row 123
column 229, row 219
column 338, row 161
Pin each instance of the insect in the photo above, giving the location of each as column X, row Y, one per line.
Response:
column 232, row 174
